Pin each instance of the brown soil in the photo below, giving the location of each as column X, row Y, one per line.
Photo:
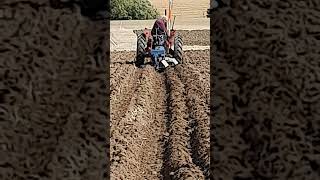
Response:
column 267, row 88
column 53, row 79
column 195, row 37
column 160, row 121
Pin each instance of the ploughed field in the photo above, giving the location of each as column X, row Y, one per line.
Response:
column 160, row 121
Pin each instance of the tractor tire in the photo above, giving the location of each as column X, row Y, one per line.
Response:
column 141, row 46
column 178, row 51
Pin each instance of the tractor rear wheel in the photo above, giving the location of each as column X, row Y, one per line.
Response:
column 141, row 46
column 178, row 51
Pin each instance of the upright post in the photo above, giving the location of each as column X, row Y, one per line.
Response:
column 169, row 16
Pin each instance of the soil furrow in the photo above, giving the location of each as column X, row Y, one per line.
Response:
column 198, row 110
column 192, row 78
column 189, row 75
column 199, row 70
column 137, row 147
column 200, row 137
column 121, row 96
column 180, row 160
column 159, row 121
column 120, row 75
column 165, row 171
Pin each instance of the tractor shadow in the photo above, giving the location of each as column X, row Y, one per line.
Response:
column 143, row 65
column 132, row 62
column 123, row 62
column 149, row 63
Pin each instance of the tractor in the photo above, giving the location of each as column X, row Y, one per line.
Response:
column 163, row 49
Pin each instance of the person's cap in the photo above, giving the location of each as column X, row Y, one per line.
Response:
column 165, row 18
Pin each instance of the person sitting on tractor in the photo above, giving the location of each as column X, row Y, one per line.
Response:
column 161, row 25
column 159, row 28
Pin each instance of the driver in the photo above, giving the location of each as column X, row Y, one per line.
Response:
column 161, row 25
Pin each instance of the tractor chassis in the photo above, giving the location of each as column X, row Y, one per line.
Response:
column 169, row 53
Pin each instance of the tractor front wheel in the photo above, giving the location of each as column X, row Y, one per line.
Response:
column 178, row 51
column 141, row 46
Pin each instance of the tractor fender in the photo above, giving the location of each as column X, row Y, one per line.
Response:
column 171, row 38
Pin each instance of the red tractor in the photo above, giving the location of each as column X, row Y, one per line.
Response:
column 164, row 49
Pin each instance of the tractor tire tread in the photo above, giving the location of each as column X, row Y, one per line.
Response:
column 178, row 51
column 141, row 45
